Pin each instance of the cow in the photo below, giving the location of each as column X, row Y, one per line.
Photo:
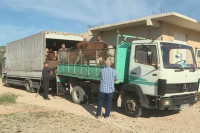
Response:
column 111, row 55
column 90, row 51
column 51, row 55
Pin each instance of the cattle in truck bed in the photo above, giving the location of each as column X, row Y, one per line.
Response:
column 90, row 51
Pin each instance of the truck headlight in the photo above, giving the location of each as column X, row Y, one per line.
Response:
column 167, row 102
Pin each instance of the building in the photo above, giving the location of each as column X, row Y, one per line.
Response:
column 170, row 26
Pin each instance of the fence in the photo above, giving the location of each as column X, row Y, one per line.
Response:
column 87, row 56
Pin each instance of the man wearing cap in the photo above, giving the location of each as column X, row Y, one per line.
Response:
column 45, row 78
column 108, row 76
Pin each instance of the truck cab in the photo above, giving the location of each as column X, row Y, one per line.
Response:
column 162, row 75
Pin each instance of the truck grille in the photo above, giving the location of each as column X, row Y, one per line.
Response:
column 178, row 88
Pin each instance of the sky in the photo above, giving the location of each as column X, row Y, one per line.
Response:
column 21, row 18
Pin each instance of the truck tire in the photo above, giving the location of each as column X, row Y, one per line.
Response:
column 4, row 81
column 79, row 95
column 132, row 106
column 28, row 86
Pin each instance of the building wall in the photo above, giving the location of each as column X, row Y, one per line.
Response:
column 141, row 31
column 166, row 31
column 192, row 37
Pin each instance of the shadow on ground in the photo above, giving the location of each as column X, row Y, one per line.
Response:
column 91, row 106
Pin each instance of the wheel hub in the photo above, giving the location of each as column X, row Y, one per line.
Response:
column 76, row 95
column 131, row 106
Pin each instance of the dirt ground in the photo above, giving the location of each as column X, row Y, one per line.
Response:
column 60, row 114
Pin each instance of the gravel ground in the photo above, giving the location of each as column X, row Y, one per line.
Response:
column 26, row 118
column 183, row 121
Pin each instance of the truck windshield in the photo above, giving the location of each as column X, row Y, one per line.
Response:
column 177, row 56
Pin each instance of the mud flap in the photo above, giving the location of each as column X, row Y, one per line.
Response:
column 61, row 88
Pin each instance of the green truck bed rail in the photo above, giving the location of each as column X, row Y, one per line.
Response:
column 79, row 71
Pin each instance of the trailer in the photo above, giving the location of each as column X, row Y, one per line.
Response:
column 151, row 74
column 23, row 62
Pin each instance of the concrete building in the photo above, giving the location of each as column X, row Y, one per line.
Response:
column 170, row 26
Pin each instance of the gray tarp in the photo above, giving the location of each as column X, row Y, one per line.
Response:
column 25, row 57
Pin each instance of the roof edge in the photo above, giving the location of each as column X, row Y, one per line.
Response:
column 145, row 18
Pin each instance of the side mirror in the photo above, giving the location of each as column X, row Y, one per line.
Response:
column 156, row 65
column 149, row 57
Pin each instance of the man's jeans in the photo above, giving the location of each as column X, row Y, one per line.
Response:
column 108, row 97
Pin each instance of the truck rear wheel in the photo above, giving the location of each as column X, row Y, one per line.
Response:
column 4, row 81
column 28, row 87
column 79, row 95
column 132, row 107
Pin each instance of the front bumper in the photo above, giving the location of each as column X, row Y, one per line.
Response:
column 176, row 102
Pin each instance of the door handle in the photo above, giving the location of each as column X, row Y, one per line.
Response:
column 154, row 74
column 133, row 73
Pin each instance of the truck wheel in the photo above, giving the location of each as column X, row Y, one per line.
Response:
column 28, row 87
column 132, row 107
column 79, row 95
column 4, row 81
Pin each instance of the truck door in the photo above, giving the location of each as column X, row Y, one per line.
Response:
column 143, row 67
column 197, row 53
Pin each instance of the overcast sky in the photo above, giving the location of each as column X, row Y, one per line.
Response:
column 21, row 18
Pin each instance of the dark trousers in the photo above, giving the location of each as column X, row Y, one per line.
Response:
column 108, row 97
column 46, row 87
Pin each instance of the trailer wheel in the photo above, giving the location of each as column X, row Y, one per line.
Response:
column 79, row 95
column 131, row 106
column 4, row 81
column 28, row 86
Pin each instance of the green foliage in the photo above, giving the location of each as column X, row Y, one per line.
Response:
column 7, row 98
column 2, row 52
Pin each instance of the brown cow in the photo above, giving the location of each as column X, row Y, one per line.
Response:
column 51, row 55
column 90, row 51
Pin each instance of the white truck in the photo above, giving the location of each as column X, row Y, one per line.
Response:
column 24, row 58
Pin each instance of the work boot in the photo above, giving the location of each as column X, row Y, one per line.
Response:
column 47, row 98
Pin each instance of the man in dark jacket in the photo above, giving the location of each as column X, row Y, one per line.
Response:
column 45, row 78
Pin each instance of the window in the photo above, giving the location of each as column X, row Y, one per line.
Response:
column 179, row 38
column 146, row 54
column 177, row 56
column 198, row 53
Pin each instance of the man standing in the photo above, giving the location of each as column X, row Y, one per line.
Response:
column 98, row 39
column 45, row 78
column 63, row 47
column 63, row 54
column 108, row 76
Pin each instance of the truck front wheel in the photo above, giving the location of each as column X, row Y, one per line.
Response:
column 79, row 95
column 131, row 106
